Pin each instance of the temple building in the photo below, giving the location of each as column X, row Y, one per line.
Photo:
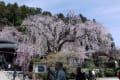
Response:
column 7, row 50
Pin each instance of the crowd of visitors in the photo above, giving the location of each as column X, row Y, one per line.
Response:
column 60, row 74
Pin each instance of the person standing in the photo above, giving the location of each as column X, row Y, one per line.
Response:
column 14, row 74
column 50, row 74
column 60, row 74
column 93, row 75
column 9, row 67
column 80, row 75
column 90, row 76
column 24, row 75
column 118, row 75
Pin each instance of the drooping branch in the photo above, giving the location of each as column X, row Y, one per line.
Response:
column 62, row 43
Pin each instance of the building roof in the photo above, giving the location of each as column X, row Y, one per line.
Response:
column 8, row 44
column 7, row 41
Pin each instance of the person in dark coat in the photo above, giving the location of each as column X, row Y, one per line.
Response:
column 14, row 74
column 50, row 74
column 90, row 76
column 80, row 75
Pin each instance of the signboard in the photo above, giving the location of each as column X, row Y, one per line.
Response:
column 40, row 68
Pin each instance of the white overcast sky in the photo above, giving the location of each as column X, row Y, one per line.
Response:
column 106, row 12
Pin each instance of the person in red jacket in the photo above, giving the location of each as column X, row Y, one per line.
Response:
column 118, row 75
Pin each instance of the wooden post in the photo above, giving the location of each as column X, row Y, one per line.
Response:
column 34, row 74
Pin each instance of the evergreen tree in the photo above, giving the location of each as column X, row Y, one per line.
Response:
column 47, row 13
column 84, row 19
column 14, row 14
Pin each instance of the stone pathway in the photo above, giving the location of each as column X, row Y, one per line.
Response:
column 6, row 75
column 110, row 78
column 3, row 76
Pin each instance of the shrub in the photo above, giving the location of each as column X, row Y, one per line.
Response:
column 21, row 29
column 109, row 72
